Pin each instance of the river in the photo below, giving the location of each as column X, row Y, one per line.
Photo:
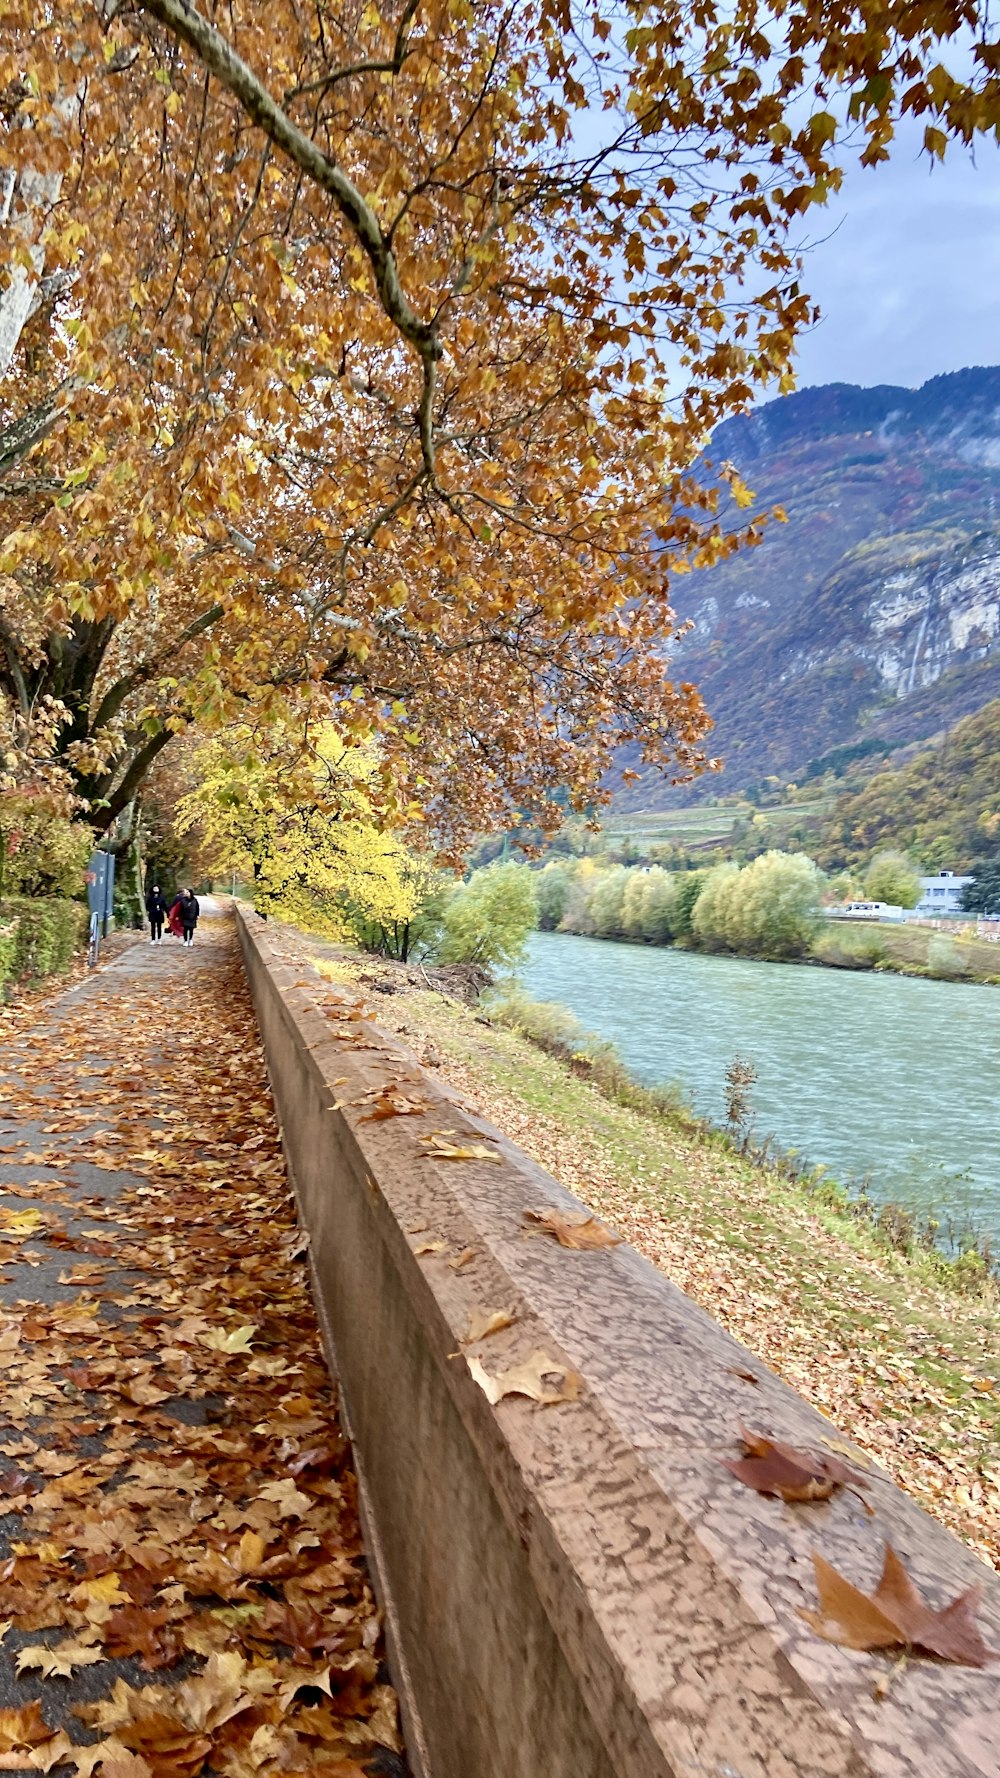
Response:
column 880, row 1076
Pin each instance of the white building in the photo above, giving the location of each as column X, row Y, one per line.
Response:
column 941, row 894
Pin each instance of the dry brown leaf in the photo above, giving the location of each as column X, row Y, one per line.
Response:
column 583, row 1233
column 60, row 1661
column 439, row 1150
column 42, row 1758
column 430, row 1247
column 463, row 1259
column 771, row 1467
column 390, row 1103
column 22, row 1725
column 483, row 1322
column 895, row 1616
column 533, row 1378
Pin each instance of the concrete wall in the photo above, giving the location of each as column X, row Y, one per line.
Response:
column 581, row 1590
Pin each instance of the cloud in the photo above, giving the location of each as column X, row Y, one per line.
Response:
column 906, row 268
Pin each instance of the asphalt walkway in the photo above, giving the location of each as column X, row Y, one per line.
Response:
column 182, row 1584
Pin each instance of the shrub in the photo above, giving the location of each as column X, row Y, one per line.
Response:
column 945, row 961
column 43, row 853
column 48, row 934
column 556, row 1030
column 8, row 950
column 850, row 950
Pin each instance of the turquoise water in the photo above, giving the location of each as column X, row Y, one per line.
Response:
column 877, row 1076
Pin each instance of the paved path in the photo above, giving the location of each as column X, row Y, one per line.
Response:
column 182, row 1586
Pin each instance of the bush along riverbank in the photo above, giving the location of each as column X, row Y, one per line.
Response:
column 771, row 909
column 899, row 1349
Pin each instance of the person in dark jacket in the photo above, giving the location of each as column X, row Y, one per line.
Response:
column 189, row 911
column 156, row 911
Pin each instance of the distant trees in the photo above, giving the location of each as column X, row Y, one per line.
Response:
column 982, row 895
column 551, row 890
column 941, row 807
column 769, row 908
column 891, row 877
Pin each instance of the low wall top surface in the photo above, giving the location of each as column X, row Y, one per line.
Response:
column 675, row 1592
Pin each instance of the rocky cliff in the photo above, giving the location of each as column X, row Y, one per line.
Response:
column 874, row 612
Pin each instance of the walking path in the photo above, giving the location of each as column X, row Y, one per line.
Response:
column 182, row 1584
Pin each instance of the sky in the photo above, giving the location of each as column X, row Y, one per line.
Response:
column 906, row 268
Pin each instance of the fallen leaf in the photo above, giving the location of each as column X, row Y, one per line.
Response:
column 22, row 1725
column 289, row 1499
column 895, row 1616
column 774, row 1468
column 239, row 1340
column 465, row 1258
column 581, row 1232
column 389, row 1103
column 104, row 1591
column 430, row 1247
column 60, row 1661
column 483, row 1322
column 529, row 1379
column 448, row 1151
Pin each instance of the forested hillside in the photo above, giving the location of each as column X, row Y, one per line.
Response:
column 943, row 806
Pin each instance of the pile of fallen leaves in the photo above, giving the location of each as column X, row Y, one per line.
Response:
column 182, row 1583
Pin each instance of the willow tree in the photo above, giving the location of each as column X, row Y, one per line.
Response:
column 363, row 357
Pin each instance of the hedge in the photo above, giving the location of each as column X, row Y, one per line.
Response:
column 8, row 949
column 39, row 937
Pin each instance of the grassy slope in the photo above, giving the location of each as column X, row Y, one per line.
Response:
column 906, row 947
column 906, row 1367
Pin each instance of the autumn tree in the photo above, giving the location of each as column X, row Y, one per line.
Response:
column 893, row 878
column 299, row 821
column 489, row 919
column 365, row 358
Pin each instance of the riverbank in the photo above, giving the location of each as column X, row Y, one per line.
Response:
column 906, row 950
column 866, row 945
column 907, row 1366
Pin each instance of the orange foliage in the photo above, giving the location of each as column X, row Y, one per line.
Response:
column 364, row 358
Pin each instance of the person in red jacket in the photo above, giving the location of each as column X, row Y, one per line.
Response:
column 188, row 909
column 174, row 919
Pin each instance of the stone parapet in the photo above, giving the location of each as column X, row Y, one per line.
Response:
column 581, row 1590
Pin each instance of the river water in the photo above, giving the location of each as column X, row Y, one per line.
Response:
column 879, row 1076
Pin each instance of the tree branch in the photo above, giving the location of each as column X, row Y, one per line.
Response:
column 139, row 765
column 114, row 698
column 185, row 22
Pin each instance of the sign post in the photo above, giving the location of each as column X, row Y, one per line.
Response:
column 101, row 887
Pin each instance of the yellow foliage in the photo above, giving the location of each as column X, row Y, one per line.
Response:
column 303, row 824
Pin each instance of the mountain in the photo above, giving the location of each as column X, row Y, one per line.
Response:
column 871, row 616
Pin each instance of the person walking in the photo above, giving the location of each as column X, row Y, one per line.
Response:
column 156, row 913
column 189, row 911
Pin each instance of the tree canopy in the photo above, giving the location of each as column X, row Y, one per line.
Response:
column 363, row 358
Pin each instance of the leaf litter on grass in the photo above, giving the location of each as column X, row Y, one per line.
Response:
column 169, row 1442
